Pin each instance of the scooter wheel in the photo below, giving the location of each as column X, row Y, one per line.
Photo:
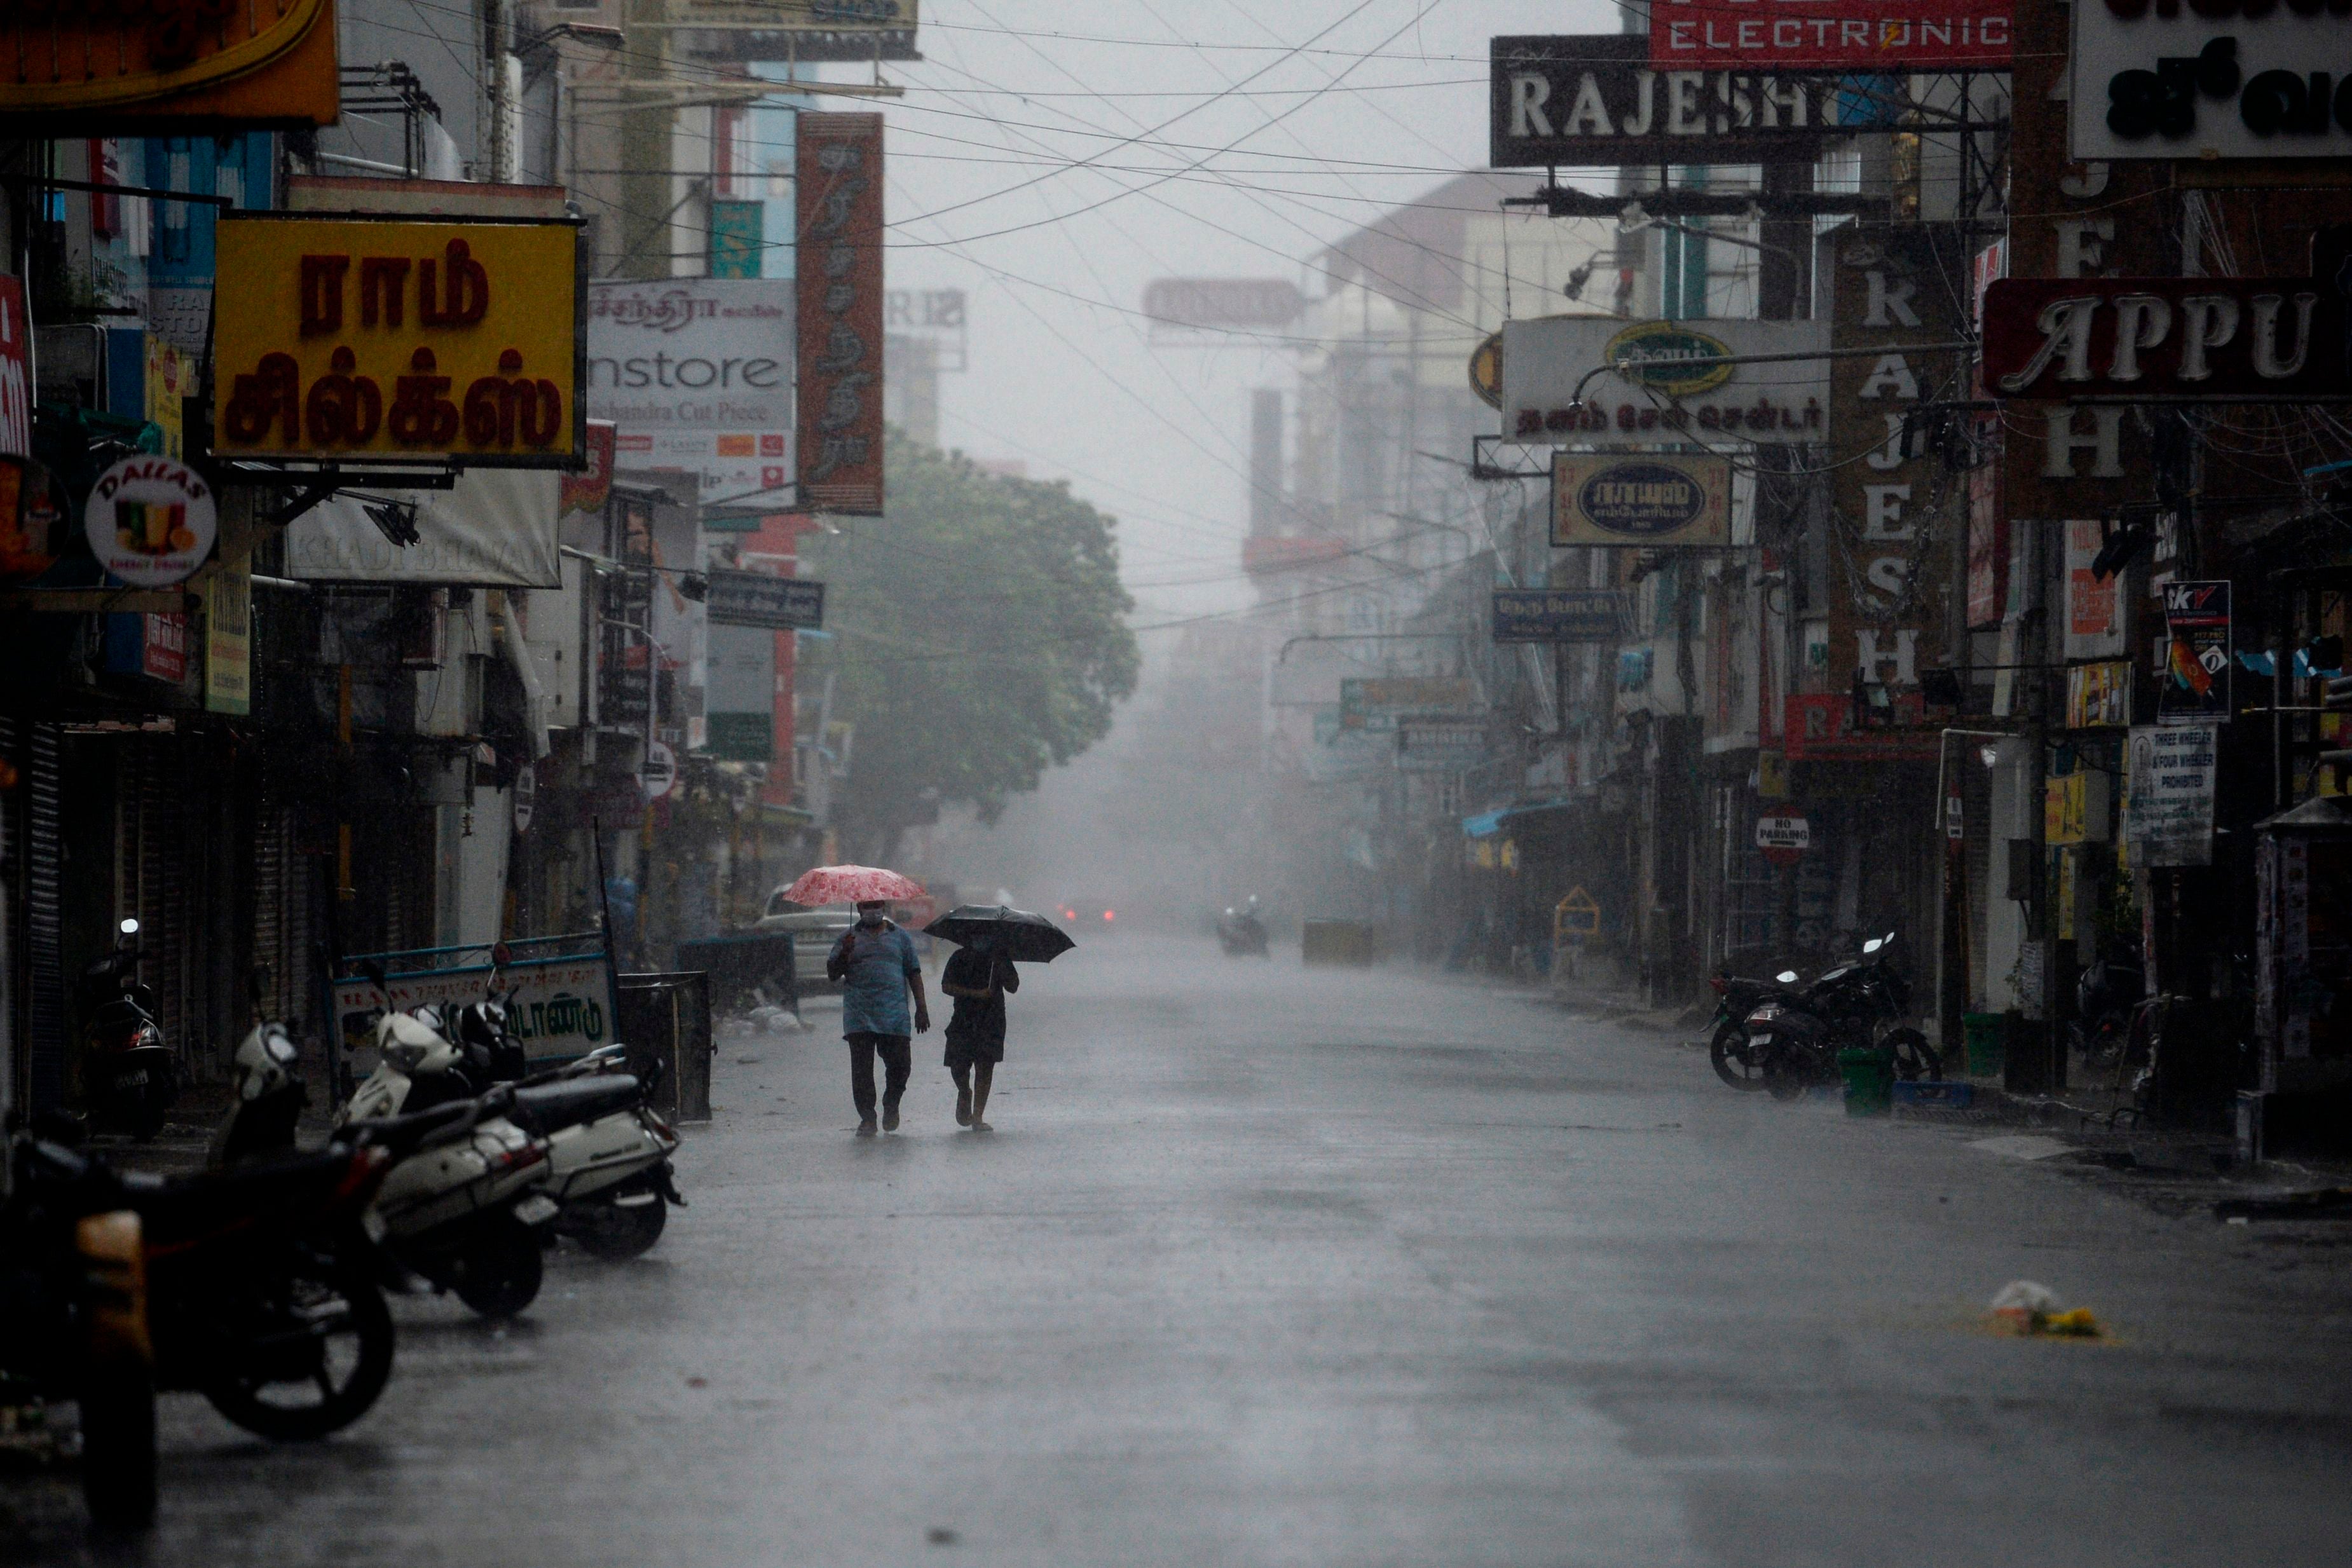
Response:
column 1730, row 1056
column 118, row 1444
column 498, row 1272
column 1782, row 1077
column 617, row 1232
column 1915, row 1059
column 302, row 1397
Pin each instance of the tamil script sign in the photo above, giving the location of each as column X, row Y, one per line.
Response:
column 556, row 1008
column 1661, row 501
column 1559, row 615
column 2168, row 817
column 1187, row 305
column 366, row 339
column 838, row 192
column 2214, row 78
column 1860, row 35
column 1595, row 101
column 755, row 598
column 1592, row 378
column 1368, row 703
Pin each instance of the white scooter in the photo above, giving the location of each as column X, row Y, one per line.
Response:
column 464, row 1214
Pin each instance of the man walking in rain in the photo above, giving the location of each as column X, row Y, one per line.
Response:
column 875, row 966
column 976, row 978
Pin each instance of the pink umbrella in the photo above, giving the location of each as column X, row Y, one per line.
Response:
column 852, row 885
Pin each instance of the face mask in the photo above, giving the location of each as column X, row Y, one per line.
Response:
column 869, row 918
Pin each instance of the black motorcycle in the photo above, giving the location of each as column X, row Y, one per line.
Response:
column 1735, row 1000
column 133, row 1077
column 1242, row 933
column 1795, row 1043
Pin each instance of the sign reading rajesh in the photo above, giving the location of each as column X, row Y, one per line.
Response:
column 1653, row 501
column 1831, row 35
column 371, row 339
column 1595, row 102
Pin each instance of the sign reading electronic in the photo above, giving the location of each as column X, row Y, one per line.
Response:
column 1597, row 101
column 1830, row 34
column 2212, row 78
column 372, row 339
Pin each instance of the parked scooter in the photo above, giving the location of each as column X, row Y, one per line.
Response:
column 270, row 1094
column 462, row 1215
column 608, row 1153
column 1795, row 1042
column 1736, row 999
column 133, row 1078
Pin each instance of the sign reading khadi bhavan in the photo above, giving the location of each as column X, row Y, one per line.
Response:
column 374, row 340
column 1863, row 35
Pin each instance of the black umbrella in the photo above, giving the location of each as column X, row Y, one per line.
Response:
column 1015, row 934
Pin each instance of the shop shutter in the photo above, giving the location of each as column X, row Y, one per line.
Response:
column 45, row 1012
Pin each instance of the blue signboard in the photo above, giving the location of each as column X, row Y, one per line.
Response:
column 1559, row 615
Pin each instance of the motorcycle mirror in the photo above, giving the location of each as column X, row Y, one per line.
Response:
column 1786, row 977
column 500, row 954
column 128, row 927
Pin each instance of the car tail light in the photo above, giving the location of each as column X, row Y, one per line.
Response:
column 1109, row 916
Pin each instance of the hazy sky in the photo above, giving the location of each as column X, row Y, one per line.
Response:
column 1218, row 139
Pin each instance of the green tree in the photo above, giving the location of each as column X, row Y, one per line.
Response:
column 979, row 638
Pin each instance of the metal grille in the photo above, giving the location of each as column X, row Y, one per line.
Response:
column 45, row 1012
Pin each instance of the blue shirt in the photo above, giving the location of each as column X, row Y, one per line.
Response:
column 874, row 981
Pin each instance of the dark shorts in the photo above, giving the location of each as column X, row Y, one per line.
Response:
column 964, row 1050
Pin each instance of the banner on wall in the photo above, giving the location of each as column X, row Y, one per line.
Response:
column 838, row 196
column 696, row 374
column 2094, row 604
column 2194, row 687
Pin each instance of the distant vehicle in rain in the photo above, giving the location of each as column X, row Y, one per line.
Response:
column 815, row 930
column 1086, row 914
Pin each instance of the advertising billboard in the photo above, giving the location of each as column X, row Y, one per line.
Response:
column 1596, row 101
column 1587, row 379
column 375, row 340
column 166, row 65
column 2212, row 79
column 696, row 375
column 1862, row 36
column 2166, row 339
column 838, row 195
column 1641, row 500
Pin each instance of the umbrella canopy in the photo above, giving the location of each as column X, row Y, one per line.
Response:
column 1016, row 934
column 853, row 885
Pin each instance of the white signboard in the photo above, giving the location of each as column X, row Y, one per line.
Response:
column 494, row 529
column 657, row 774
column 1655, row 384
column 557, row 1008
column 1784, row 833
column 2169, row 816
column 696, row 374
column 2158, row 80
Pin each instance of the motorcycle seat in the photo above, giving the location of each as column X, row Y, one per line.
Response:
column 545, row 1108
column 193, row 1206
column 118, row 1012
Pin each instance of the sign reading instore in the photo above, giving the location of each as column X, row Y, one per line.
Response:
column 696, row 373
column 372, row 340
column 756, row 598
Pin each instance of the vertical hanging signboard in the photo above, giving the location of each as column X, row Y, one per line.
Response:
column 839, row 306
column 2195, row 685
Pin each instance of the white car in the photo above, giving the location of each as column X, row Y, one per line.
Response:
column 814, row 933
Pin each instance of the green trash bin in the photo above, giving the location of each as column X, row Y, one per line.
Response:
column 1869, row 1082
column 1987, row 1035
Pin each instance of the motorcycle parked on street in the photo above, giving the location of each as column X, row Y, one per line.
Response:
column 270, row 1092
column 1736, row 999
column 1795, row 1042
column 134, row 1078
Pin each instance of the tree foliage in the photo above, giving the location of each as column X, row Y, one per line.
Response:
column 979, row 638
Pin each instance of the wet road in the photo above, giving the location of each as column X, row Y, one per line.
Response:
column 1271, row 1268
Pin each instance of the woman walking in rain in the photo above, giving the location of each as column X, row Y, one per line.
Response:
column 977, row 976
